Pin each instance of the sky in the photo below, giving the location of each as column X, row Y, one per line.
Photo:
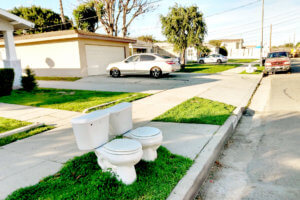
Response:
column 243, row 22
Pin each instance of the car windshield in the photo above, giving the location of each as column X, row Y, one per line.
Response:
column 278, row 55
column 164, row 57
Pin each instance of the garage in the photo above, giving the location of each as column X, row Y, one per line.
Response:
column 70, row 53
column 99, row 57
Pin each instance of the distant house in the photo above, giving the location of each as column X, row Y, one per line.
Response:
column 237, row 49
column 167, row 49
column 69, row 52
column 140, row 47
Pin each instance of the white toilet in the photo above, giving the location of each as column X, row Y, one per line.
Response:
column 118, row 156
column 121, row 123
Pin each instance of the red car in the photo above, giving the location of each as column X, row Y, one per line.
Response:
column 277, row 62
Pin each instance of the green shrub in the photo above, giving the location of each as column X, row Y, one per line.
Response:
column 6, row 81
column 28, row 82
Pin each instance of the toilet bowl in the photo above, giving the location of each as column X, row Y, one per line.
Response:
column 119, row 156
column 150, row 138
column 121, row 123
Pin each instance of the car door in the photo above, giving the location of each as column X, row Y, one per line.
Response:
column 209, row 59
column 128, row 66
column 145, row 63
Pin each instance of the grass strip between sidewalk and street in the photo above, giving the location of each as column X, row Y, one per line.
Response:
column 258, row 71
column 82, row 178
column 241, row 60
column 208, row 68
column 72, row 100
column 53, row 78
column 25, row 134
column 11, row 124
column 198, row 110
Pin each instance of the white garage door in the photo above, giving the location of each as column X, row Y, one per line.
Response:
column 99, row 57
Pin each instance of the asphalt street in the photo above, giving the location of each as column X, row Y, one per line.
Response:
column 262, row 159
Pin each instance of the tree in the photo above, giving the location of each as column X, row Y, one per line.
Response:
column 86, row 17
column 147, row 38
column 110, row 12
column 184, row 27
column 216, row 43
column 204, row 50
column 298, row 45
column 44, row 19
column 223, row 51
column 62, row 16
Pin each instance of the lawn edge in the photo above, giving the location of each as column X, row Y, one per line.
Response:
column 189, row 185
column 21, row 129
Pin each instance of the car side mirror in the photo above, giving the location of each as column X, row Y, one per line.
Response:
column 126, row 61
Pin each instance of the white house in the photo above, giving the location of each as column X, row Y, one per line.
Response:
column 69, row 52
column 167, row 49
column 9, row 23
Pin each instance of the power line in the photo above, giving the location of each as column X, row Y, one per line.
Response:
column 233, row 9
column 286, row 14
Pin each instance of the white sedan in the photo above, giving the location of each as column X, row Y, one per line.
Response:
column 153, row 64
column 214, row 58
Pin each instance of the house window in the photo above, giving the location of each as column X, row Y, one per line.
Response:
column 141, row 50
column 190, row 52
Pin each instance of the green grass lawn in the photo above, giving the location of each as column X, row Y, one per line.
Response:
column 10, row 124
column 258, row 71
column 52, row 78
column 241, row 60
column 198, row 110
column 208, row 68
column 22, row 135
column 82, row 178
column 73, row 100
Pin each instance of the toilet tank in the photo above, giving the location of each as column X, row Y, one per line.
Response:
column 91, row 130
column 120, row 118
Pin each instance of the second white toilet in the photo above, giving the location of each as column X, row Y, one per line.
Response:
column 121, row 123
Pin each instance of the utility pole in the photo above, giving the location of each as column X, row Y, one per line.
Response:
column 62, row 16
column 270, row 37
column 262, row 32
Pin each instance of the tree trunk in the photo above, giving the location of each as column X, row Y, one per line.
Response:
column 183, row 59
column 62, row 16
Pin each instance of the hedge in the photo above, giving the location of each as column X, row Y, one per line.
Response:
column 6, row 81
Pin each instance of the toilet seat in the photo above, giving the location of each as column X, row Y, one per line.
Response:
column 144, row 133
column 121, row 147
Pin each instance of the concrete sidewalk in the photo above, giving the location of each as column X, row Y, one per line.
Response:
column 27, row 161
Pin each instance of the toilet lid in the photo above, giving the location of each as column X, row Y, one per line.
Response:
column 123, row 145
column 144, row 132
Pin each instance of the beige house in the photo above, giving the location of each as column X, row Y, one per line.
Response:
column 140, row 47
column 69, row 53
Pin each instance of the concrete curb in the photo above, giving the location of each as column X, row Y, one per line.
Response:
column 188, row 186
column 20, row 130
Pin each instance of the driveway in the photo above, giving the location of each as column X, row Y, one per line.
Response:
column 141, row 83
column 262, row 160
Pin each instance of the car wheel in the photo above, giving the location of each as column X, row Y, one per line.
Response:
column 156, row 72
column 201, row 61
column 219, row 61
column 115, row 72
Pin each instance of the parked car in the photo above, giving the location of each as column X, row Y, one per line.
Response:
column 154, row 64
column 277, row 61
column 214, row 58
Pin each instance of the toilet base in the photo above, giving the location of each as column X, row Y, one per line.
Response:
column 126, row 174
column 149, row 154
